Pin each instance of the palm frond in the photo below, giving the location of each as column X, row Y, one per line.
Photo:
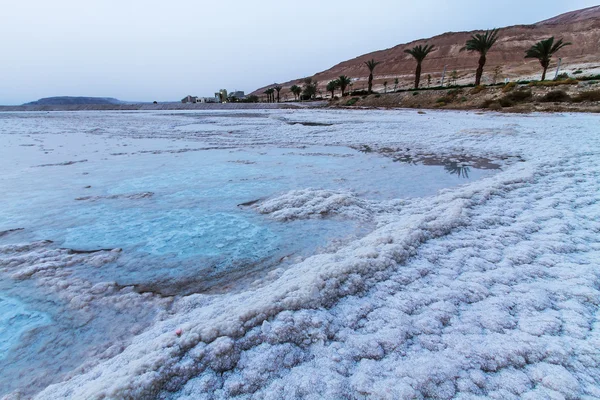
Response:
column 482, row 43
column 420, row 52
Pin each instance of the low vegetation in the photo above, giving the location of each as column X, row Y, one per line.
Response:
column 590, row 96
column 509, row 87
column 556, row 96
column 567, row 81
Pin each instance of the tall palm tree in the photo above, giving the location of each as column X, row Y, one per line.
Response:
column 343, row 82
column 371, row 64
column 481, row 43
column 396, row 81
column 331, row 86
column 269, row 93
column 419, row 53
column 385, row 83
column 278, row 89
column 296, row 90
column 543, row 51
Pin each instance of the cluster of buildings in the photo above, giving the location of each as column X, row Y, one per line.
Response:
column 220, row 97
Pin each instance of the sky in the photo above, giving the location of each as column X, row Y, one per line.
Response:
column 146, row 50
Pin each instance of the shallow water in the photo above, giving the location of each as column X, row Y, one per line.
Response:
column 180, row 213
column 176, row 209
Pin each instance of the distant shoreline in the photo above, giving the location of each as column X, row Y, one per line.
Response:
column 162, row 107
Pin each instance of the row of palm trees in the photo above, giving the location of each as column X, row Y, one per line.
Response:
column 478, row 43
column 482, row 43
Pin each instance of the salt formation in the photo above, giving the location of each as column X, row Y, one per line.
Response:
column 486, row 290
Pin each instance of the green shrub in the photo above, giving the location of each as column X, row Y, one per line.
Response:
column 494, row 106
column 377, row 96
column 578, row 72
column 556, row 96
column 518, row 96
column 415, row 93
column 477, row 89
column 359, row 93
column 512, row 98
column 352, row 101
column 569, row 81
column 509, row 87
column 444, row 100
column 562, row 77
column 591, row 95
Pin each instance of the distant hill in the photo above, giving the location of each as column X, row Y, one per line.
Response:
column 581, row 27
column 68, row 101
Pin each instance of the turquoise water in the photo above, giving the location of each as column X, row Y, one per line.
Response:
column 178, row 220
column 177, row 215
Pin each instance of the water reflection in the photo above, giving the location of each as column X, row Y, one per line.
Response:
column 459, row 166
column 454, row 168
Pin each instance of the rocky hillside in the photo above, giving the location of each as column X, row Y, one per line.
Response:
column 70, row 101
column 581, row 27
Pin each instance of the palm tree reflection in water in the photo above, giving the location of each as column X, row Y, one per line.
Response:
column 454, row 168
column 451, row 167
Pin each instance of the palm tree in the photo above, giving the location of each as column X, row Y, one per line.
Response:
column 419, row 53
column 544, row 50
column 371, row 64
column 331, row 86
column 385, row 83
column 396, row 81
column 343, row 82
column 269, row 93
column 481, row 43
column 296, row 90
column 278, row 89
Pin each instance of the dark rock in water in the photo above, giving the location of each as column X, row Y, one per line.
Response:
column 309, row 123
column 249, row 203
column 74, row 251
column 3, row 233
column 87, row 187
column 62, row 163
column 134, row 196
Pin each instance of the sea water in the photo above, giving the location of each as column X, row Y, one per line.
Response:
column 177, row 212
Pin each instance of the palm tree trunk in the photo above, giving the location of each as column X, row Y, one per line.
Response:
column 479, row 73
column 418, row 75
column 371, row 83
column 544, row 74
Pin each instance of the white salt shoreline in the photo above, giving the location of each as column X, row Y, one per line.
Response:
column 483, row 290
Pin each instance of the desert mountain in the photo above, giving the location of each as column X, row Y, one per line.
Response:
column 66, row 100
column 581, row 27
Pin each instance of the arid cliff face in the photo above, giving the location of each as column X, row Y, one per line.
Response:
column 581, row 27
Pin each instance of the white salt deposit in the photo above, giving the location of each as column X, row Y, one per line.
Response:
column 485, row 290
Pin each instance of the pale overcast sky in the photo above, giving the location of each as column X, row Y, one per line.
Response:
column 165, row 49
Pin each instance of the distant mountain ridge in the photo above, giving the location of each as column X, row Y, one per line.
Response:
column 73, row 100
column 581, row 27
